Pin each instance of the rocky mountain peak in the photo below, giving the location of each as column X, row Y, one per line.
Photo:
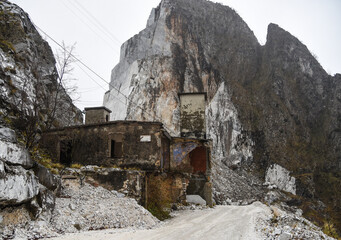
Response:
column 266, row 104
column 285, row 45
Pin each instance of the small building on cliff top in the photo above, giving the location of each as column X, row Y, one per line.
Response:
column 149, row 164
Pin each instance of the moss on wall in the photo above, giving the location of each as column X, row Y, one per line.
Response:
column 162, row 191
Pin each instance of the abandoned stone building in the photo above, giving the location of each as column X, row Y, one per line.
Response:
column 140, row 157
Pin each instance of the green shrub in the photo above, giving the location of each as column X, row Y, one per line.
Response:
column 329, row 229
column 43, row 158
column 6, row 46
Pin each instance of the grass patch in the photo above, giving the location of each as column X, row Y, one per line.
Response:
column 158, row 211
column 329, row 229
column 76, row 165
column 43, row 158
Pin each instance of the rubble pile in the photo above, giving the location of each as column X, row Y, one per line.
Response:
column 287, row 224
column 91, row 208
column 83, row 208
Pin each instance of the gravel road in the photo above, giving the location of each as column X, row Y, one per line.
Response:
column 221, row 222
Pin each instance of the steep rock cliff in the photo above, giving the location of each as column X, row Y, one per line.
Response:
column 28, row 76
column 266, row 104
column 31, row 100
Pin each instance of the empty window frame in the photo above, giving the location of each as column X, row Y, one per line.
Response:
column 116, row 149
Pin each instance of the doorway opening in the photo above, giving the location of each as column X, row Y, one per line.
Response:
column 198, row 159
column 66, row 152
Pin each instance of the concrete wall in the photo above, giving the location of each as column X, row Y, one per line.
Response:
column 91, row 144
column 129, row 182
column 192, row 112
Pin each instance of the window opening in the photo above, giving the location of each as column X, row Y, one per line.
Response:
column 116, row 149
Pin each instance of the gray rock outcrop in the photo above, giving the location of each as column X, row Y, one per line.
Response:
column 174, row 55
column 18, row 186
column 14, row 154
column 27, row 190
column 28, row 76
column 31, row 100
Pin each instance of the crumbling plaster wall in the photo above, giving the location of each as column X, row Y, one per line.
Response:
column 192, row 112
column 180, row 151
column 91, row 144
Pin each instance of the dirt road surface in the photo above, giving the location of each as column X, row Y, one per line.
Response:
column 221, row 222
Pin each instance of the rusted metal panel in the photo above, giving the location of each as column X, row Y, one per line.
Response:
column 190, row 155
column 199, row 159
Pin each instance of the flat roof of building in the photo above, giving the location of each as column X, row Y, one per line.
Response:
column 106, row 124
column 97, row 108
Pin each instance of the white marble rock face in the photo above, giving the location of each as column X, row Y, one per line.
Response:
column 280, row 176
column 18, row 186
column 14, row 154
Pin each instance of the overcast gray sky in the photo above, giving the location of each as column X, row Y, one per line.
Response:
column 99, row 28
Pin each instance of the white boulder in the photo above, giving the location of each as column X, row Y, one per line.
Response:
column 15, row 154
column 280, row 176
column 195, row 199
column 18, row 186
column 7, row 134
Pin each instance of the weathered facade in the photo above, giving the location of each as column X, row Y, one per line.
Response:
column 97, row 115
column 193, row 156
column 125, row 144
column 192, row 111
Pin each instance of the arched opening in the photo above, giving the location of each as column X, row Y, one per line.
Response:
column 198, row 159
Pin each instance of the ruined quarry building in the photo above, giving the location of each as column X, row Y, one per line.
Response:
column 145, row 156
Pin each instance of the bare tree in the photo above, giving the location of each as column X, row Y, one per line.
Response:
column 64, row 64
column 50, row 96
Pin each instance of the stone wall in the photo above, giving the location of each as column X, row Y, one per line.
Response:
column 97, row 115
column 139, row 142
